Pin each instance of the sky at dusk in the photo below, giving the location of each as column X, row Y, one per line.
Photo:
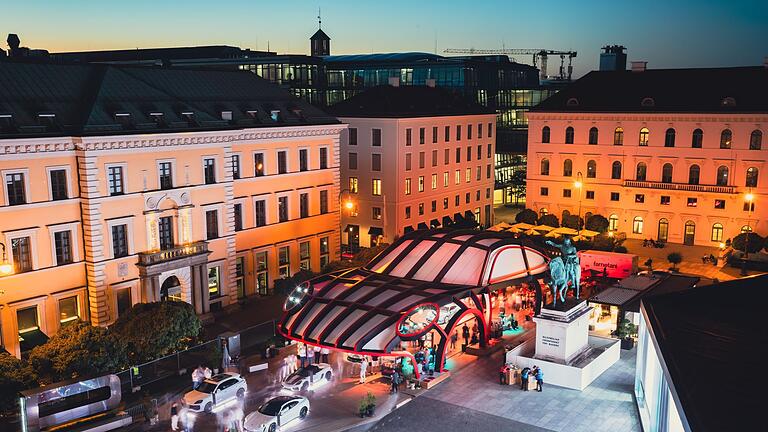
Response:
column 674, row 33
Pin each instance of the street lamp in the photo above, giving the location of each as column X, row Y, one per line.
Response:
column 5, row 267
column 346, row 204
column 578, row 184
column 749, row 198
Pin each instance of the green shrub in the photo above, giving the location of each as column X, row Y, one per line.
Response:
column 753, row 240
column 675, row 258
column 527, row 216
column 572, row 221
column 597, row 223
column 550, row 220
column 15, row 376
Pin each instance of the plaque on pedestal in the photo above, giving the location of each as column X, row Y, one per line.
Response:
column 562, row 332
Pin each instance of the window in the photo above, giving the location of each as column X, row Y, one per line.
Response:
column 165, row 171
column 434, row 206
column 421, row 160
column 15, row 188
column 468, row 175
column 614, row 196
column 746, row 229
column 616, row 170
column 68, row 310
column 446, row 178
column 642, row 170
column 353, row 185
column 469, row 153
column 543, row 211
column 323, row 158
column 165, row 232
column 479, row 130
column 490, row 130
column 467, row 198
column 566, row 193
column 212, row 224
column 408, row 186
column 725, row 139
column 756, row 140
column 124, row 301
column 303, row 159
column 304, row 256
column 260, row 212
column 590, row 195
column 421, row 209
column 115, row 180
column 240, row 276
column 260, row 264
column 489, row 151
column 282, row 162
column 569, row 135
column 478, row 174
column 284, row 261
column 422, row 134
column 434, row 181
column 720, row 204
column 408, row 136
column 376, row 213
column 665, row 200
column 407, row 161
column 324, row 250
column 618, row 136
column 643, row 139
column 353, row 136
column 567, row 168
column 304, row 205
column 693, row 174
column 637, row 225
column 457, row 177
column 258, row 164
column 469, row 132
column 376, row 137
column 593, row 135
column 408, row 212
column 352, row 161
column 722, row 176
column 717, row 232
column 544, row 191
column 445, row 203
column 545, row 134
column 693, row 202
column 209, row 170
column 26, row 320
column 447, row 133
column 434, row 134
column 669, row 138
column 488, row 171
column 235, row 166
column 751, row 180
column 544, row 167
column 63, row 247
column 323, row 201
column 697, row 138
column 458, row 132
column 613, row 223
column 237, row 209
column 458, row 155
column 58, row 179
column 376, row 187
column 639, row 198
column 591, row 169
column 663, row 233
column 282, row 209
column 421, row 183
column 447, row 156
column 119, row 241
column 666, row 173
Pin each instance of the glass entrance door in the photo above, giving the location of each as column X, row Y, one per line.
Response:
column 690, row 232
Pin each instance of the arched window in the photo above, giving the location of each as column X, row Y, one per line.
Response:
column 756, row 140
column 746, row 229
column 616, row 170
column 666, row 173
column 613, row 223
column 643, row 141
column 693, row 174
column 697, row 139
column 593, row 135
column 545, row 134
column 618, row 136
column 751, row 177
column 642, row 171
column 717, row 232
column 725, row 139
column 637, row 225
column 545, row 167
column 569, row 135
column 567, row 168
column 591, row 169
column 722, row 176
column 689, row 235
column 669, row 138
column 543, row 211
column 663, row 233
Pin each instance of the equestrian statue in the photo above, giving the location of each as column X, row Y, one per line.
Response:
column 564, row 271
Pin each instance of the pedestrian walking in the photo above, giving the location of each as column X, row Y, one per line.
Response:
column 465, row 334
column 524, row 378
column 363, row 367
column 395, row 381
column 175, row 417
column 454, row 338
column 301, row 349
column 324, row 354
column 539, row 379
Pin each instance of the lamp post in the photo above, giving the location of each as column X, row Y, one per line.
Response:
column 749, row 198
column 579, row 183
column 5, row 267
column 348, row 205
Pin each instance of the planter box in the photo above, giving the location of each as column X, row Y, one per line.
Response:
column 627, row 344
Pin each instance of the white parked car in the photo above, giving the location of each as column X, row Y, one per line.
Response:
column 214, row 391
column 275, row 413
column 305, row 377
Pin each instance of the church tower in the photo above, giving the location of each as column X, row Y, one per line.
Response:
column 320, row 43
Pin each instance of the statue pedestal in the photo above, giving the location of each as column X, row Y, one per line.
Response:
column 562, row 333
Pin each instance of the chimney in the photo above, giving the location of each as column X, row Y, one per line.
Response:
column 639, row 66
column 394, row 81
column 431, row 82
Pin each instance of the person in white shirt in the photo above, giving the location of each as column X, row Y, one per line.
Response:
column 324, row 353
column 363, row 367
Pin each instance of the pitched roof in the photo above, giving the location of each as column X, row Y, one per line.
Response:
column 710, row 337
column 319, row 34
column 405, row 102
column 665, row 90
column 105, row 99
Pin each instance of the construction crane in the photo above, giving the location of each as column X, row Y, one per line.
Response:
column 539, row 57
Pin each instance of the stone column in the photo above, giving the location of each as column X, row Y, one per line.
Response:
column 146, row 289
column 204, row 293
column 197, row 292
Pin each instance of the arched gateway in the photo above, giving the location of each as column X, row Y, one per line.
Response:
column 427, row 282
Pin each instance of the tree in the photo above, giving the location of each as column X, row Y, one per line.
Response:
column 153, row 330
column 15, row 376
column 572, row 221
column 78, row 349
column 550, row 220
column 518, row 183
column 753, row 240
column 527, row 216
column 597, row 223
column 675, row 258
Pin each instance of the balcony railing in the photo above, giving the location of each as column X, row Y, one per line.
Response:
column 680, row 186
column 149, row 258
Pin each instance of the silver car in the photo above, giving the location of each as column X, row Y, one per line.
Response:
column 215, row 391
column 275, row 413
column 307, row 376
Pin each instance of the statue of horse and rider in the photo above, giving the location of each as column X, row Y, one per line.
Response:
column 564, row 271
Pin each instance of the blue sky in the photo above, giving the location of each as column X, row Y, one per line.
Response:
column 674, row 33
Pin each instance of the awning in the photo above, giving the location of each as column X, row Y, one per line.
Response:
column 350, row 228
column 31, row 338
column 565, row 231
column 376, row 231
column 458, row 218
column 522, row 226
column 407, row 229
column 434, row 223
column 422, row 226
column 447, row 221
column 468, row 215
column 544, row 228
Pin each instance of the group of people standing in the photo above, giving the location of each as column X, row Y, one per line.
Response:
column 308, row 353
column 199, row 375
column 527, row 373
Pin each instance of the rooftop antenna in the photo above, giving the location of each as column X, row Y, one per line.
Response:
column 319, row 19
